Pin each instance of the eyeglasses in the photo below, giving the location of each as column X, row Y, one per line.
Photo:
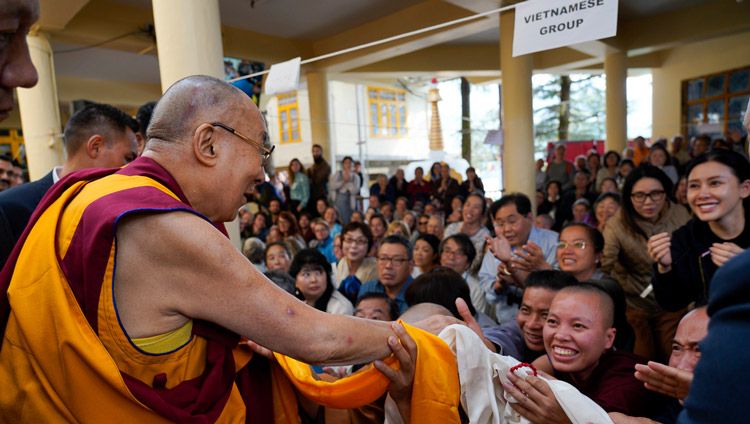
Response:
column 457, row 252
column 355, row 241
column 395, row 261
column 655, row 195
column 578, row 245
column 265, row 153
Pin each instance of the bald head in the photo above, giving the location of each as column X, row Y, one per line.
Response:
column 421, row 311
column 606, row 304
column 196, row 100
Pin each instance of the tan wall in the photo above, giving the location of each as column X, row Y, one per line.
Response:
column 692, row 60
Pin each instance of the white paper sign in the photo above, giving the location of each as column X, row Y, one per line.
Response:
column 283, row 77
column 494, row 137
column 548, row 24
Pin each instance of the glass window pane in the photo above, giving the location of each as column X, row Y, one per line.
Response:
column 384, row 110
column 715, row 112
column 374, row 119
column 393, row 109
column 692, row 131
column 284, row 126
column 715, row 86
column 403, row 130
column 737, row 105
column 375, row 130
column 402, row 110
column 295, row 124
column 401, row 97
column 394, row 131
column 283, row 115
column 695, row 112
column 384, row 129
column 402, row 120
column 738, row 80
column 695, row 90
column 737, row 123
column 374, row 108
column 373, row 94
column 387, row 95
column 295, row 135
column 284, row 136
column 293, row 113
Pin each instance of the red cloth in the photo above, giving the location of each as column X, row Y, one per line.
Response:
column 613, row 386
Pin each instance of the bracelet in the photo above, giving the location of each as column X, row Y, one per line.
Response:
column 505, row 271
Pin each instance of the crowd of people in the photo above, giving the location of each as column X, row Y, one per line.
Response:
column 634, row 241
column 122, row 294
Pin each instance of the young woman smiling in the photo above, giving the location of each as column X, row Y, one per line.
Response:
column 356, row 241
column 425, row 254
column 718, row 190
column 646, row 210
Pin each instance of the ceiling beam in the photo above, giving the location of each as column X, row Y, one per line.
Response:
column 416, row 17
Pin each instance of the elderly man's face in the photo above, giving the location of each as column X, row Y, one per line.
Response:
column 16, row 69
column 692, row 329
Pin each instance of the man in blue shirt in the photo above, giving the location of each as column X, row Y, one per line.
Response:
column 395, row 264
column 519, row 249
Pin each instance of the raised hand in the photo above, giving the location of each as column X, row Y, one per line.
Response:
column 664, row 379
column 722, row 252
column 659, row 250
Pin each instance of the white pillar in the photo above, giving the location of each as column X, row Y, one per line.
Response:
column 188, row 37
column 518, row 115
column 40, row 113
column 616, row 70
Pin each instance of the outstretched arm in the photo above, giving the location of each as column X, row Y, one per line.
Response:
column 172, row 267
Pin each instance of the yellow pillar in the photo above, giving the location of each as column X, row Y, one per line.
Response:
column 188, row 36
column 40, row 114
column 518, row 115
column 317, row 88
column 616, row 69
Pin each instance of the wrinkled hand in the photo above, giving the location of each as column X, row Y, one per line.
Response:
column 659, row 250
column 499, row 245
column 403, row 378
column 722, row 252
column 530, row 258
column 664, row 379
column 538, row 404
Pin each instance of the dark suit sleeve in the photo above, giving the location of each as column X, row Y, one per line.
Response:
column 7, row 241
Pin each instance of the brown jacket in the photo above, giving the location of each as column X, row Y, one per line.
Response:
column 626, row 255
column 318, row 174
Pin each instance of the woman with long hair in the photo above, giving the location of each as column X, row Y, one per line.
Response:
column 647, row 209
column 290, row 229
column 312, row 274
column 299, row 186
column 718, row 192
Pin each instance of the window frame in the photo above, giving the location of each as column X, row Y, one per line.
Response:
column 402, row 128
column 725, row 96
column 287, row 107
